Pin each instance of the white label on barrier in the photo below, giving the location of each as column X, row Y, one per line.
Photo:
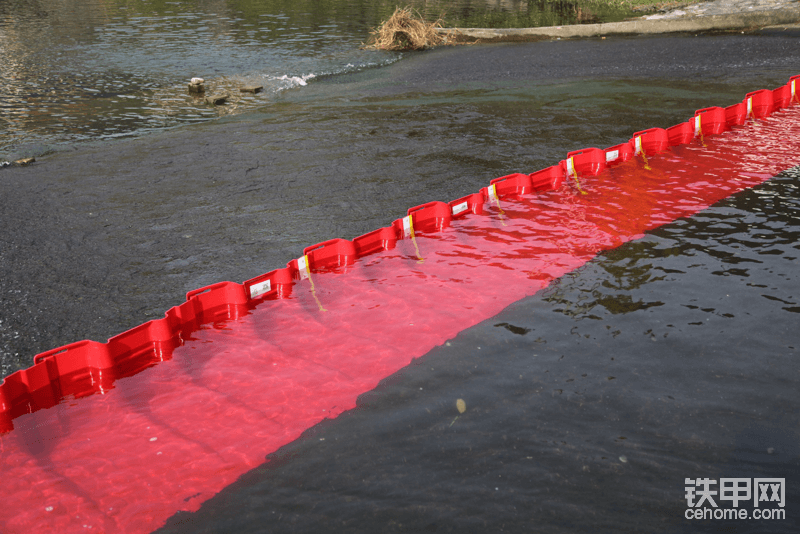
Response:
column 460, row 208
column 493, row 193
column 612, row 155
column 407, row 226
column 570, row 167
column 260, row 288
column 749, row 106
column 697, row 128
column 302, row 266
column 638, row 144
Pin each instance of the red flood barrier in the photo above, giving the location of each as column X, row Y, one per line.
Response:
column 277, row 366
column 274, row 284
column 511, row 185
column 619, row 153
column 218, row 302
column 470, row 204
column 585, row 162
column 680, row 134
column 736, row 115
column 330, row 254
column 549, row 178
column 429, row 217
column 710, row 121
column 650, row 142
column 781, row 97
column 376, row 241
column 759, row 104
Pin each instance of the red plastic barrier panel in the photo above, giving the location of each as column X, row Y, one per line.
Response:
column 330, row 254
column 710, row 121
column 736, row 115
column 781, row 97
column 512, row 185
column 430, row 217
column 547, row 179
column 584, row 162
column 220, row 301
column 619, row 153
column 274, row 284
column 470, row 204
column 759, row 104
column 376, row 241
column 681, row 134
column 650, row 142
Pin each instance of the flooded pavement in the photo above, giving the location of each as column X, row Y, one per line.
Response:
column 585, row 406
column 102, row 238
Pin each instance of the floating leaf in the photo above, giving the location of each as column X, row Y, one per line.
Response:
column 461, row 405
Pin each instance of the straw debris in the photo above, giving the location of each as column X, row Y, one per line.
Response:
column 408, row 30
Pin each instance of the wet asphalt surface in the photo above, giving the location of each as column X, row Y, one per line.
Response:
column 97, row 239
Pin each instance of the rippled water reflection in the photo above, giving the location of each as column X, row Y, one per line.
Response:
column 94, row 69
column 97, row 69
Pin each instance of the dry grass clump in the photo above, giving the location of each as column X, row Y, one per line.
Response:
column 407, row 30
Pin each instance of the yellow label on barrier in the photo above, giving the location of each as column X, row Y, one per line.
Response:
column 637, row 143
column 408, row 227
column 572, row 172
column 698, row 129
column 302, row 266
column 493, row 193
column 408, row 231
column 305, row 272
column 749, row 106
column 794, row 93
column 571, row 167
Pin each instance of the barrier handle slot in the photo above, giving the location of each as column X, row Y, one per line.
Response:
column 421, row 207
column 195, row 292
column 54, row 352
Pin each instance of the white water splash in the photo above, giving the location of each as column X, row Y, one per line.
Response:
column 297, row 80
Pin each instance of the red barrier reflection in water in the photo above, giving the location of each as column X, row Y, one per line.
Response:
column 169, row 437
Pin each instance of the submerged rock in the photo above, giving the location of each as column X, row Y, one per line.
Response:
column 216, row 100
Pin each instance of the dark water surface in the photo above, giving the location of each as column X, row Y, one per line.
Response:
column 587, row 405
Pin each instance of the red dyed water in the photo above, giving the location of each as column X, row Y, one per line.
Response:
column 171, row 436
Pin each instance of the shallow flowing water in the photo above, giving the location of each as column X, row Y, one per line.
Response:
column 88, row 70
column 587, row 405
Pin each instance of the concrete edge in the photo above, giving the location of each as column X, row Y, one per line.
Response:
column 759, row 19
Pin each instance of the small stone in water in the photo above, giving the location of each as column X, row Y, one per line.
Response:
column 623, row 459
column 217, row 99
column 251, row 89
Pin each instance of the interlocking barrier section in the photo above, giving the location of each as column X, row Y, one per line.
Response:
column 121, row 435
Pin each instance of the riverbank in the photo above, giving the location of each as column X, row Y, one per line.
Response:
column 720, row 15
